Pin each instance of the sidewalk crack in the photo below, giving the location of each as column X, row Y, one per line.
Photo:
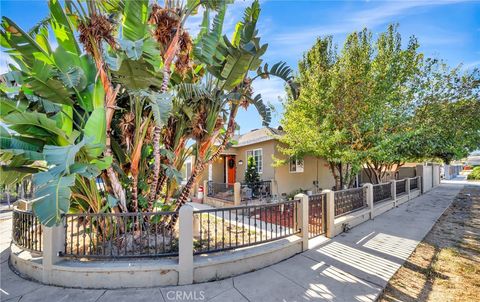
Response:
column 233, row 283
column 99, row 297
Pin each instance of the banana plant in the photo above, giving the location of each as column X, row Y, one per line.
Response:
column 230, row 64
column 50, row 105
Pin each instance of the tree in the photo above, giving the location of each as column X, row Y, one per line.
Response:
column 329, row 118
column 354, row 104
column 447, row 111
column 252, row 178
column 131, row 102
column 392, row 99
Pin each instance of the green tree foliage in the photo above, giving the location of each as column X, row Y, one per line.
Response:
column 446, row 118
column 475, row 174
column 377, row 105
column 252, row 178
column 330, row 117
column 126, row 96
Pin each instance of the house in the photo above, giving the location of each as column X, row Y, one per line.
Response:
column 308, row 173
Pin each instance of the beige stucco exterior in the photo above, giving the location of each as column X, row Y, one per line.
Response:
column 315, row 176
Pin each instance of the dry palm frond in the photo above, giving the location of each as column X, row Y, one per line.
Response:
column 149, row 133
column 127, row 129
column 167, row 23
column 246, row 89
column 198, row 123
column 96, row 29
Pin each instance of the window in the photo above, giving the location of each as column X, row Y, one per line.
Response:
column 296, row 164
column 257, row 155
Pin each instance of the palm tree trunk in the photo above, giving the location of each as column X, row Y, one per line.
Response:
column 110, row 102
column 200, row 166
column 168, row 59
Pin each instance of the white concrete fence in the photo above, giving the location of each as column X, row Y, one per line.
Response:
column 50, row 268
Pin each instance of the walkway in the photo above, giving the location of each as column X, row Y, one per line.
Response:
column 355, row 266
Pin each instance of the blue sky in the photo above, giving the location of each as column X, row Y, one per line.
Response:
column 448, row 29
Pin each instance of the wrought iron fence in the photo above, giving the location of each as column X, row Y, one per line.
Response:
column 26, row 230
column 223, row 229
column 401, row 187
column 119, row 235
column 262, row 190
column 382, row 192
column 350, row 200
column 414, row 183
column 316, row 214
column 221, row 191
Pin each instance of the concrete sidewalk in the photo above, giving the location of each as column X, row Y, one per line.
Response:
column 354, row 266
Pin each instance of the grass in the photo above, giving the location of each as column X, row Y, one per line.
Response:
column 446, row 265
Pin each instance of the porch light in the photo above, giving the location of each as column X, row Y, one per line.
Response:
column 240, row 162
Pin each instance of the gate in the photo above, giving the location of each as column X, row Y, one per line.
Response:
column 316, row 215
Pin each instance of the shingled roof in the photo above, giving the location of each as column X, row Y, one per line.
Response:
column 257, row 136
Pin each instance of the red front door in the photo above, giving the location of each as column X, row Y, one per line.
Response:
column 231, row 169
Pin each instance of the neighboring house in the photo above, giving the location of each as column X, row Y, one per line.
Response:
column 474, row 159
column 308, row 173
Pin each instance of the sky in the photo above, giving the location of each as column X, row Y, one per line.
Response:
column 446, row 29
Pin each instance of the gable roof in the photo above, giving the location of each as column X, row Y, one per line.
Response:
column 257, row 136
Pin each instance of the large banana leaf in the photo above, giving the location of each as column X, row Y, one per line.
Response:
column 61, row 157
column 23, row 48
column 52, row 197
column 62, row 28
column 137, row 75
column 95, row 132
column 35, row 124
column 161, row 104
column 262, row 110
column 135, row 20
column 208, row 40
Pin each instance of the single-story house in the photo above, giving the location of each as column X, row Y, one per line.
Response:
column 308, row 173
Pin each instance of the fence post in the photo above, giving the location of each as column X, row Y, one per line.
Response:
column 205, row 190
column 407, row 187
column 272, row 189
column 420, row 184
column 394, row 192
column 369, row 196
column 237, row 194
column 302, row 220
column 330, row 211
column 185, row 245
column 53, row 246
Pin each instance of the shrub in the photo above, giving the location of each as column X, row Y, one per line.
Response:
column 475, row 174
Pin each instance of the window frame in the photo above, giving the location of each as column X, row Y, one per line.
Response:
column 296, row 164
column 259, row 167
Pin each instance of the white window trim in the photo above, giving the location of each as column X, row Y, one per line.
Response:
column 253, row 151
column 296, row 165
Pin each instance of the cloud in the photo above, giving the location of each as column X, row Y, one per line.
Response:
column 471, row 65
column 356, row 20
column 271, row 89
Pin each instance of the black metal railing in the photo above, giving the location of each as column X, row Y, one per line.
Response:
column 382, row 192
column 221, row 191
column 26, row 231
column 350, row 200
column 316, row 214
column 229, row 228
column 401, row 187
column 261, row 190
column 413, row 183
column 119, row 235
